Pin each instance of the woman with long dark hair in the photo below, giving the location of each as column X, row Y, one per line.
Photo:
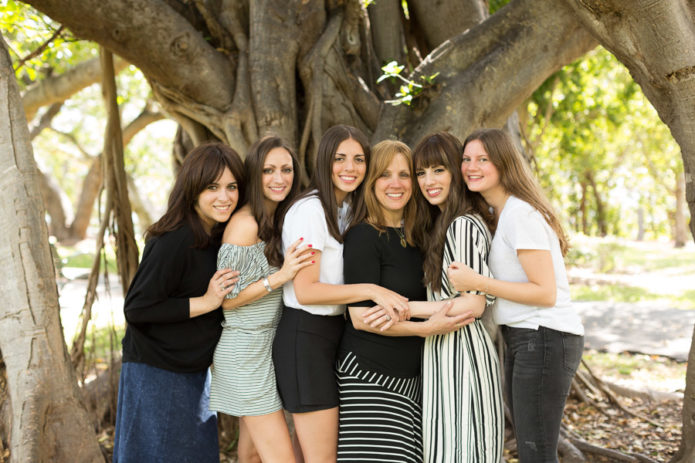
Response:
column 463, row 419
column 243, row 378
column 543, row 333
column 173, row 316
column 306, row 342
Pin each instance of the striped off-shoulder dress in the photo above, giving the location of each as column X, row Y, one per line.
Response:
column 243, row 377
column 463, row 417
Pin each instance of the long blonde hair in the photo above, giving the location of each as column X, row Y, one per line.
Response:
column 516, row 177
column 382, row 155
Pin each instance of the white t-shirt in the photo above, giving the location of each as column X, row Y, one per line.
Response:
column 306, row 219
column 522, row 227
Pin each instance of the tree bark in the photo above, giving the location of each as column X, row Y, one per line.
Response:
column 686, row 450
column 485, row 70
column 680, row 227
column 49, row 422
column 155, row 38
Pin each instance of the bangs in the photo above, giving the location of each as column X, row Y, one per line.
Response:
column 429, row 155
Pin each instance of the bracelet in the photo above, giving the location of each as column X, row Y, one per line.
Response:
column 266, row 283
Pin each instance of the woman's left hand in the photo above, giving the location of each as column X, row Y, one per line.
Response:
column 462, row 277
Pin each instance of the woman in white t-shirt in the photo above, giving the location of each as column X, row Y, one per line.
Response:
column 543, row 333
column 309, row 332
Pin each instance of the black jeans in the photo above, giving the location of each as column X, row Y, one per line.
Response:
column 539, row 367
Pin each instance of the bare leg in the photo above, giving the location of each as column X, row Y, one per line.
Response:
column 270, row 437
column 298, row 456
column 246, row 451
column 318, row 435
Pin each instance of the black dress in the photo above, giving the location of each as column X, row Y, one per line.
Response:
column 379, row 376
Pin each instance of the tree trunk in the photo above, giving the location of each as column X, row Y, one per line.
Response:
column 686, row 451
column 49, row 422
column 600, row 209
column 680, row 227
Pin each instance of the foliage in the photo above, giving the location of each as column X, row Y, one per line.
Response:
column 601, row 151
column 27, row 32
column 409, row 89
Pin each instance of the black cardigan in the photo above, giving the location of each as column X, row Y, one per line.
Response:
column 159, row 331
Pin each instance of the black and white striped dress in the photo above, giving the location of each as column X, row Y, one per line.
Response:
column 462, row 402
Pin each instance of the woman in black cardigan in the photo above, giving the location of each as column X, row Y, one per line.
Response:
column 174, row 320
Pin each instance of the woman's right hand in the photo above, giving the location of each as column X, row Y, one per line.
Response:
column 296, row 258
column 395, row 305
column 441, row 322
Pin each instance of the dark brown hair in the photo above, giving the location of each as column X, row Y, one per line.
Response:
column 321, row 179
column 201, row 167
column 516, row 177
column 253, row 164
column 440, row 149
column 382, row 154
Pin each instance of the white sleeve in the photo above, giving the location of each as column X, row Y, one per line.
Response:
column 307, row 220
column 528, row 230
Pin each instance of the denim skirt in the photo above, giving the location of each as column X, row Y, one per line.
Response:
column 163, row 416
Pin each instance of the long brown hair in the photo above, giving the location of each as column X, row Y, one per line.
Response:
column 440, row 149
column 202, row 166
column 516, row 177
column 321, row 180
column 382, row 155
column 253, row 164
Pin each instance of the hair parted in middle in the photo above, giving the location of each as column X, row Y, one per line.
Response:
column 441, row 149
column 516, row 177
column 382, row 155
column 253, row 165
column 322, row 182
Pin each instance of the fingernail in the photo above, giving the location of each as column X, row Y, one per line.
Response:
column 308, row 245
column 300, row 239
column 313, row 262
column 312, row 253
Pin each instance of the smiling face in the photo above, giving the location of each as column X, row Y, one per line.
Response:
column 217, row 201
column 435, row 184
column 479, row 173
column 393, row 189
column 278, row 174
column 349, row 168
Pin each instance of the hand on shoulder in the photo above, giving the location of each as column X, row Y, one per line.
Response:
column 242, row 228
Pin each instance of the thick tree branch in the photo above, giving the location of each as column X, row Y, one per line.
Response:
column 490, row 69
column 171, row 51
column 59, row 88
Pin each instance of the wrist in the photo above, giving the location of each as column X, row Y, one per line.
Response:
column 483, row 284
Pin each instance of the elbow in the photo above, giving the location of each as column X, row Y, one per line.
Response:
column 479, row 308
column 548, row 300
column 301, row 297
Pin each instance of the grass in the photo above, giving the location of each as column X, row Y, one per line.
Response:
column 638, row 371
column 609, row 269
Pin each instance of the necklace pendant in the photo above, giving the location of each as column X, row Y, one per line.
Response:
column 403, row 242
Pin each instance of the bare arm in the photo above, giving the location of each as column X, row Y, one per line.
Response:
column 297, row 257
column 440, row 322
column 539, row 290
column 310, row 291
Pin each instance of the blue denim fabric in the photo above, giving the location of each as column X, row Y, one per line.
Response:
column 539, row 367
column 163, row 416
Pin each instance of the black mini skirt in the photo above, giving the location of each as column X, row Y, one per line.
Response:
column 304, row 355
